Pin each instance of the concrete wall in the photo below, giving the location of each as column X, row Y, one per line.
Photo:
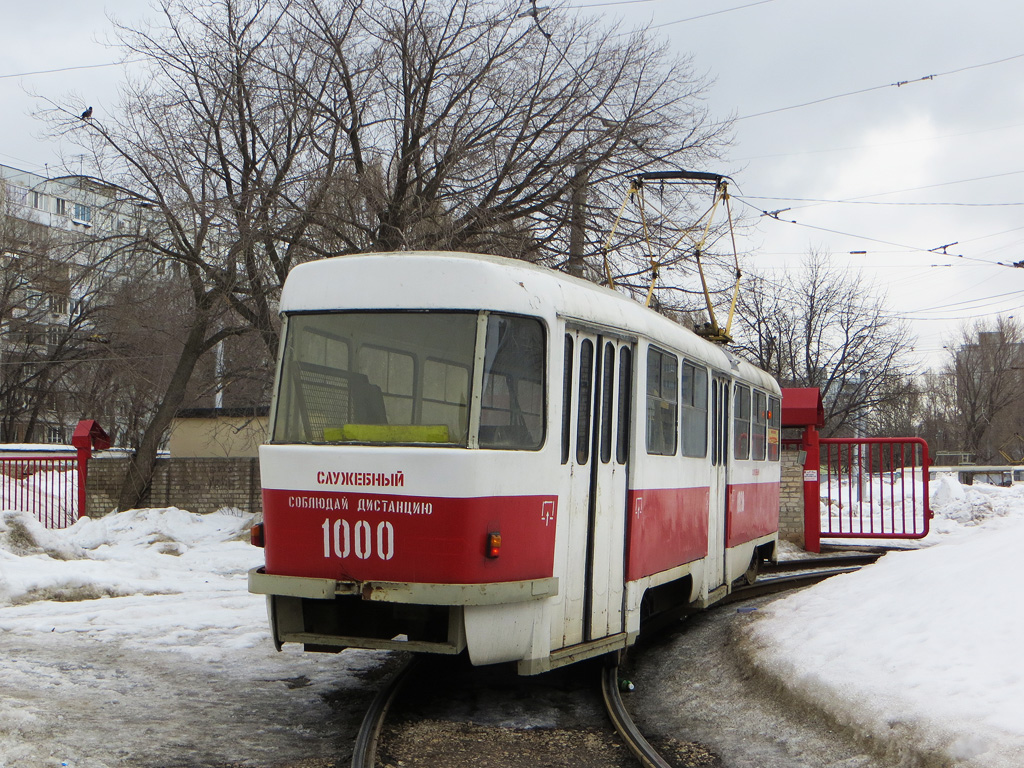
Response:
column 198, row 485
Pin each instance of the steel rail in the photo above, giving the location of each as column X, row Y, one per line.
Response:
column 830, row 561
column 364, row 753
column 638, row 745
column 783, row 584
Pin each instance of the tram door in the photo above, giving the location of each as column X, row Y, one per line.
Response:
column 596, row 436
column 719, row 494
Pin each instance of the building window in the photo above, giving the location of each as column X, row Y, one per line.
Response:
column 83, row 213
column 39, row 201
column 58, row 304
column 61, row 206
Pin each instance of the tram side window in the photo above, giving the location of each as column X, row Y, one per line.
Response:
column 566, row 397
column 695, row 410
column 625, row 404
column 774, row 428
column 607, row 402
column 662, row 402
column 741, row 422
column 584, row 403
column 759, row 433
column 512, row 406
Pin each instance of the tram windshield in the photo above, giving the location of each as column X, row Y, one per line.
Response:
column 407, row 378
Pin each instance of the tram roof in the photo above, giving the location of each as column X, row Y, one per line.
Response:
column 437, row 280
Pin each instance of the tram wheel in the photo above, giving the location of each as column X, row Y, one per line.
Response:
column 750, row 575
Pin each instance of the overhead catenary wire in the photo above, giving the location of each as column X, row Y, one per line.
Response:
column 796, row 305
column 777, row 216
column 864, row 198
column 897, row 84
column 70, row 68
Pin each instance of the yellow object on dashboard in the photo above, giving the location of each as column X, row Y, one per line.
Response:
column 388, row 433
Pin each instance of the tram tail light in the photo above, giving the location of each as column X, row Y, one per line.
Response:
column 256, row 536
column 493, row 544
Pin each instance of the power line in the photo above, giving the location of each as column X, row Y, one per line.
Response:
column 894, row 315
column 776, row 215
column 897, row 84
column 68, row 69
column 818, row 201
column 611, row 2
column 928, row 186
column 712, row 13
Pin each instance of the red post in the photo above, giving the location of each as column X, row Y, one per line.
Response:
column 88, row 435
column 812, row 489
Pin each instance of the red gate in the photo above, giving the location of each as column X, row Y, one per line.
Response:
column 51, row 484
column 874, row 488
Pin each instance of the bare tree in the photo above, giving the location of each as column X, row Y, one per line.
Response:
column 827, row 328
column 469, row 125
column 268, row 132
column 986, row 375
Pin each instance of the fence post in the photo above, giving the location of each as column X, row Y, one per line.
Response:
column 812, row 489
column 88, row 435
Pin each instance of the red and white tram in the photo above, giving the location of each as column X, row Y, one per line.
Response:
column 470, row 452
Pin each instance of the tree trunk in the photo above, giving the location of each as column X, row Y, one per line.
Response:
column 139, row 477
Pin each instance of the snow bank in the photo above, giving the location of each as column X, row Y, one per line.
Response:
column 921, row 650
column 50, row 580
column 170, row 664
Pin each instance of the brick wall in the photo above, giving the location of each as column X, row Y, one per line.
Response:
column 198, row 485
column 791, row 497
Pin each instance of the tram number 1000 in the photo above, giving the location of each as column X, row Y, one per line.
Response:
column 343, row 539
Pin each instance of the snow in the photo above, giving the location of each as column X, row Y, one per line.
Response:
column 132, row 640
column 919, row 652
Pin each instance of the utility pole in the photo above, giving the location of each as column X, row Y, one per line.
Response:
column 577, row 221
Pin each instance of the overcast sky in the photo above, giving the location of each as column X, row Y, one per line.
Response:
column 924, row 164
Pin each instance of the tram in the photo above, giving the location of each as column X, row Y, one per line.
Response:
column 472, row 453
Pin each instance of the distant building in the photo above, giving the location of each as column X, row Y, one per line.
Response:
column 62, row 241
column 218, row 432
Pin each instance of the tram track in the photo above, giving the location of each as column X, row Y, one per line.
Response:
column 798, row 574
column 364, row 753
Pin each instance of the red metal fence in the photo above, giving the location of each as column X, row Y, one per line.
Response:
column 45, row 484
column 51, row 484
column 874, row 488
